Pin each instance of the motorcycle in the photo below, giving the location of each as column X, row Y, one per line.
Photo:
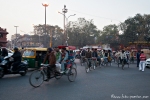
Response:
column 6, row 64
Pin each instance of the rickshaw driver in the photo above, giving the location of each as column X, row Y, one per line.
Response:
column 62, row 59
column 52, row 61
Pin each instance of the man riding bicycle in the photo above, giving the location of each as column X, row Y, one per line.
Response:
column 88, row 56
column 51, row 58
column 83, row 52
column 94, row 57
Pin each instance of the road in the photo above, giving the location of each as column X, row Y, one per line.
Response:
column 105, row 83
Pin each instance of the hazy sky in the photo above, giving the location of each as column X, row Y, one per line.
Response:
column 25, row 13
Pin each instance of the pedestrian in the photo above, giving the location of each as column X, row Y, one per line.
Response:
column 4, row 52
column 0, row 51
column 132, row 56
column 0, row 55
column 138, row 57
column 123, row 57
column 142, row 61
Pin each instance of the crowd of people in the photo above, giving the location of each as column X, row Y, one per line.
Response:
column 104, row 56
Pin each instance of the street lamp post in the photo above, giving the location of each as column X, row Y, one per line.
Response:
column 16, row 36
column 66, row 27
column 45, row 5
column 64, row 10
column 65, row 32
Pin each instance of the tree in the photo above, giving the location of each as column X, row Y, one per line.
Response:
column 82, row 32
column 136, row 28
column 44, row 38
column 110, row 35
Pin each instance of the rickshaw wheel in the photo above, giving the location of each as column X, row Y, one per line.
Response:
column 72, row 74
column 58, row 75
column 36, row 78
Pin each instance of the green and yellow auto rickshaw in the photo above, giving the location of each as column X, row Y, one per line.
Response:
column 34, row 56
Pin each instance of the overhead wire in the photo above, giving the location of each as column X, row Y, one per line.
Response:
column 95, row 16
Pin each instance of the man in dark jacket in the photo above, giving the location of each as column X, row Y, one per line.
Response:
column 17, row 59
column 0, row 51
column 88, row 56
column 94, row 57
column 0, row 55
column 138, row 57
column 4, row 52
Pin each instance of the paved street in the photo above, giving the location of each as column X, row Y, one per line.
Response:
column 104, row 83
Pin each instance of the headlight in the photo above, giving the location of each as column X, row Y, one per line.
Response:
column 25, row 62
column 3, row 62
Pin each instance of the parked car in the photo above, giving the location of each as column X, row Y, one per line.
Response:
column 147, row 62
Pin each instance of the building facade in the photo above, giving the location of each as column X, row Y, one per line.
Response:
column 3, row 37
column 24, row 41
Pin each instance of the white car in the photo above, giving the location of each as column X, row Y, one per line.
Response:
column 10, row 52
column 147, row 62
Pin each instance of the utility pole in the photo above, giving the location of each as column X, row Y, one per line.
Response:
column 16, row 36
column 64, row 10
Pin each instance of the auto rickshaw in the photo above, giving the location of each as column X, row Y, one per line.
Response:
column 34, row 56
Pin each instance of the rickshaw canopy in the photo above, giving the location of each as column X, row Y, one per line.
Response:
column 68, row 47
column 72, row 47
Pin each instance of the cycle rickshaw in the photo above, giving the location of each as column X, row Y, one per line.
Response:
column 37, row 77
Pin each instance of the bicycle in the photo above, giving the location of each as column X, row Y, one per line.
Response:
column 132, row 60
column 94, row 62
column 89, row 65
column 82, row 60
column 39, row 75
column 123, row 62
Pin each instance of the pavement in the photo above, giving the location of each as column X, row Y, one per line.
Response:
column 105, row 83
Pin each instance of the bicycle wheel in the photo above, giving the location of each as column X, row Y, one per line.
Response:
column 72, row 74
column 87, row 68
column 74, row 65
column 122, row 65
column 81, row 62
column 36, row 78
